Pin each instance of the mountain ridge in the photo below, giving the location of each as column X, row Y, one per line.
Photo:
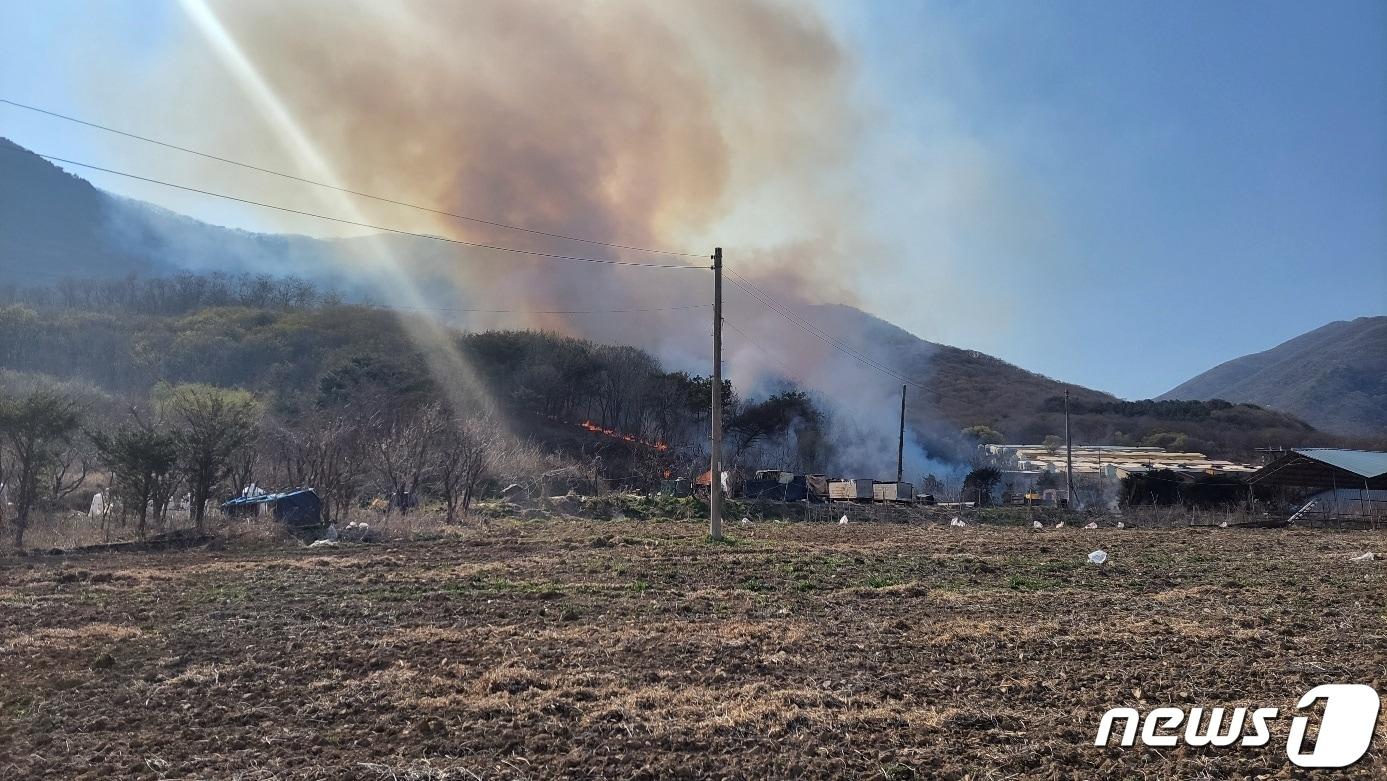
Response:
column 1334, row 377
column 81, row 231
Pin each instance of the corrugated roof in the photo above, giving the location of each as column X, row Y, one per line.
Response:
column 1366, row 463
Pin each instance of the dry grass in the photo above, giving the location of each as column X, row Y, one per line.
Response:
column 561, row 649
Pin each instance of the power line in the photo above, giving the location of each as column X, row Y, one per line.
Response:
column 496, row 247
column 358, row 193
column 817, row 333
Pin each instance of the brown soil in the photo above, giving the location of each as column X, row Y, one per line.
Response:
column 640, row 650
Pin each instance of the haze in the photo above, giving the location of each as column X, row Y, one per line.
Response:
column 1118, row 195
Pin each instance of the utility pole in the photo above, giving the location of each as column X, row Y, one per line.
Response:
column 1068, row 452
column 900, row 443
column 715, row 449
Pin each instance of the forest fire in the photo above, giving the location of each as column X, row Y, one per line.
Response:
column 614, row 434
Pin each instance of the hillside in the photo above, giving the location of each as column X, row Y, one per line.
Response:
column 59, row 226
column 1335, row 377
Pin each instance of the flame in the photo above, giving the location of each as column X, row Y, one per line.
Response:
column 614, row 434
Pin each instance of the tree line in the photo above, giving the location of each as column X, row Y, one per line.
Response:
column 175, row 392
column 207, row 444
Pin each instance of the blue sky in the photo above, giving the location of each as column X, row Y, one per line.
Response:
column 1118, row 194
column 1212, row 176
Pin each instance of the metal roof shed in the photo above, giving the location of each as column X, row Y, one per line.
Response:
column 1325, row 468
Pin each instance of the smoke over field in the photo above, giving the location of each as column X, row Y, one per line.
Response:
column 649, row 125
column 619, row 122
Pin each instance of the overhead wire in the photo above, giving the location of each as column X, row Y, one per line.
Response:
column 746, row 285
column 348, row 191
column 356, row 223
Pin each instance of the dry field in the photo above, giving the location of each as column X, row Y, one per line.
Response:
column 639, row 650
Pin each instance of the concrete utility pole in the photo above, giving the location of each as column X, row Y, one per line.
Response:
column 1068, row 452
column 715, row 449
column 900, row 443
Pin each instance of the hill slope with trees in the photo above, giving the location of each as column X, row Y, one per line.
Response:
column 279, row 335
column 1335, row 377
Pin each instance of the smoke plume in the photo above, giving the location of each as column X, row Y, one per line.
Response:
column 671, row 125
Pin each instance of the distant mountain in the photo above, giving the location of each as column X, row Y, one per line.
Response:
column 55, row 225
column 967, row 388
column 1335, row 377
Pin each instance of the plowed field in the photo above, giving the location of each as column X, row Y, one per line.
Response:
column 641, row 650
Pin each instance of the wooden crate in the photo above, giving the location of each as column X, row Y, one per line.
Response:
column 893, row 492
column 850, row 490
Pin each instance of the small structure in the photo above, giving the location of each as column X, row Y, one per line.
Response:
column 297, row 508
column 777, row 485
column 678, row 487
column 893, row 492
column 850, row 490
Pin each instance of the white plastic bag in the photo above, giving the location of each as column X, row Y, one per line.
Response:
column 843, row 521
column 1098, row 557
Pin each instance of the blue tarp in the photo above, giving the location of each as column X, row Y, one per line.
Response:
column 293, row 508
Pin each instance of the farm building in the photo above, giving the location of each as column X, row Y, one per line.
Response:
column 1333, row 483
column 292, row 508
column 1110, row 461
column 1036, row 473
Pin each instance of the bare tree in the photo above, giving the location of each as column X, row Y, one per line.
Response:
column 325, row 452
column 70, row 469
column 402, row 448
column 467, row 450
column 244, row 464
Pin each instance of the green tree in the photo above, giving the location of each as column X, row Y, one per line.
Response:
column 980, row 483
column 143, row 460
column 211, row 426
column 772, row 417
column 984, row 435
column 35, row 428
column 1053, row 443
column 1171, row 441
